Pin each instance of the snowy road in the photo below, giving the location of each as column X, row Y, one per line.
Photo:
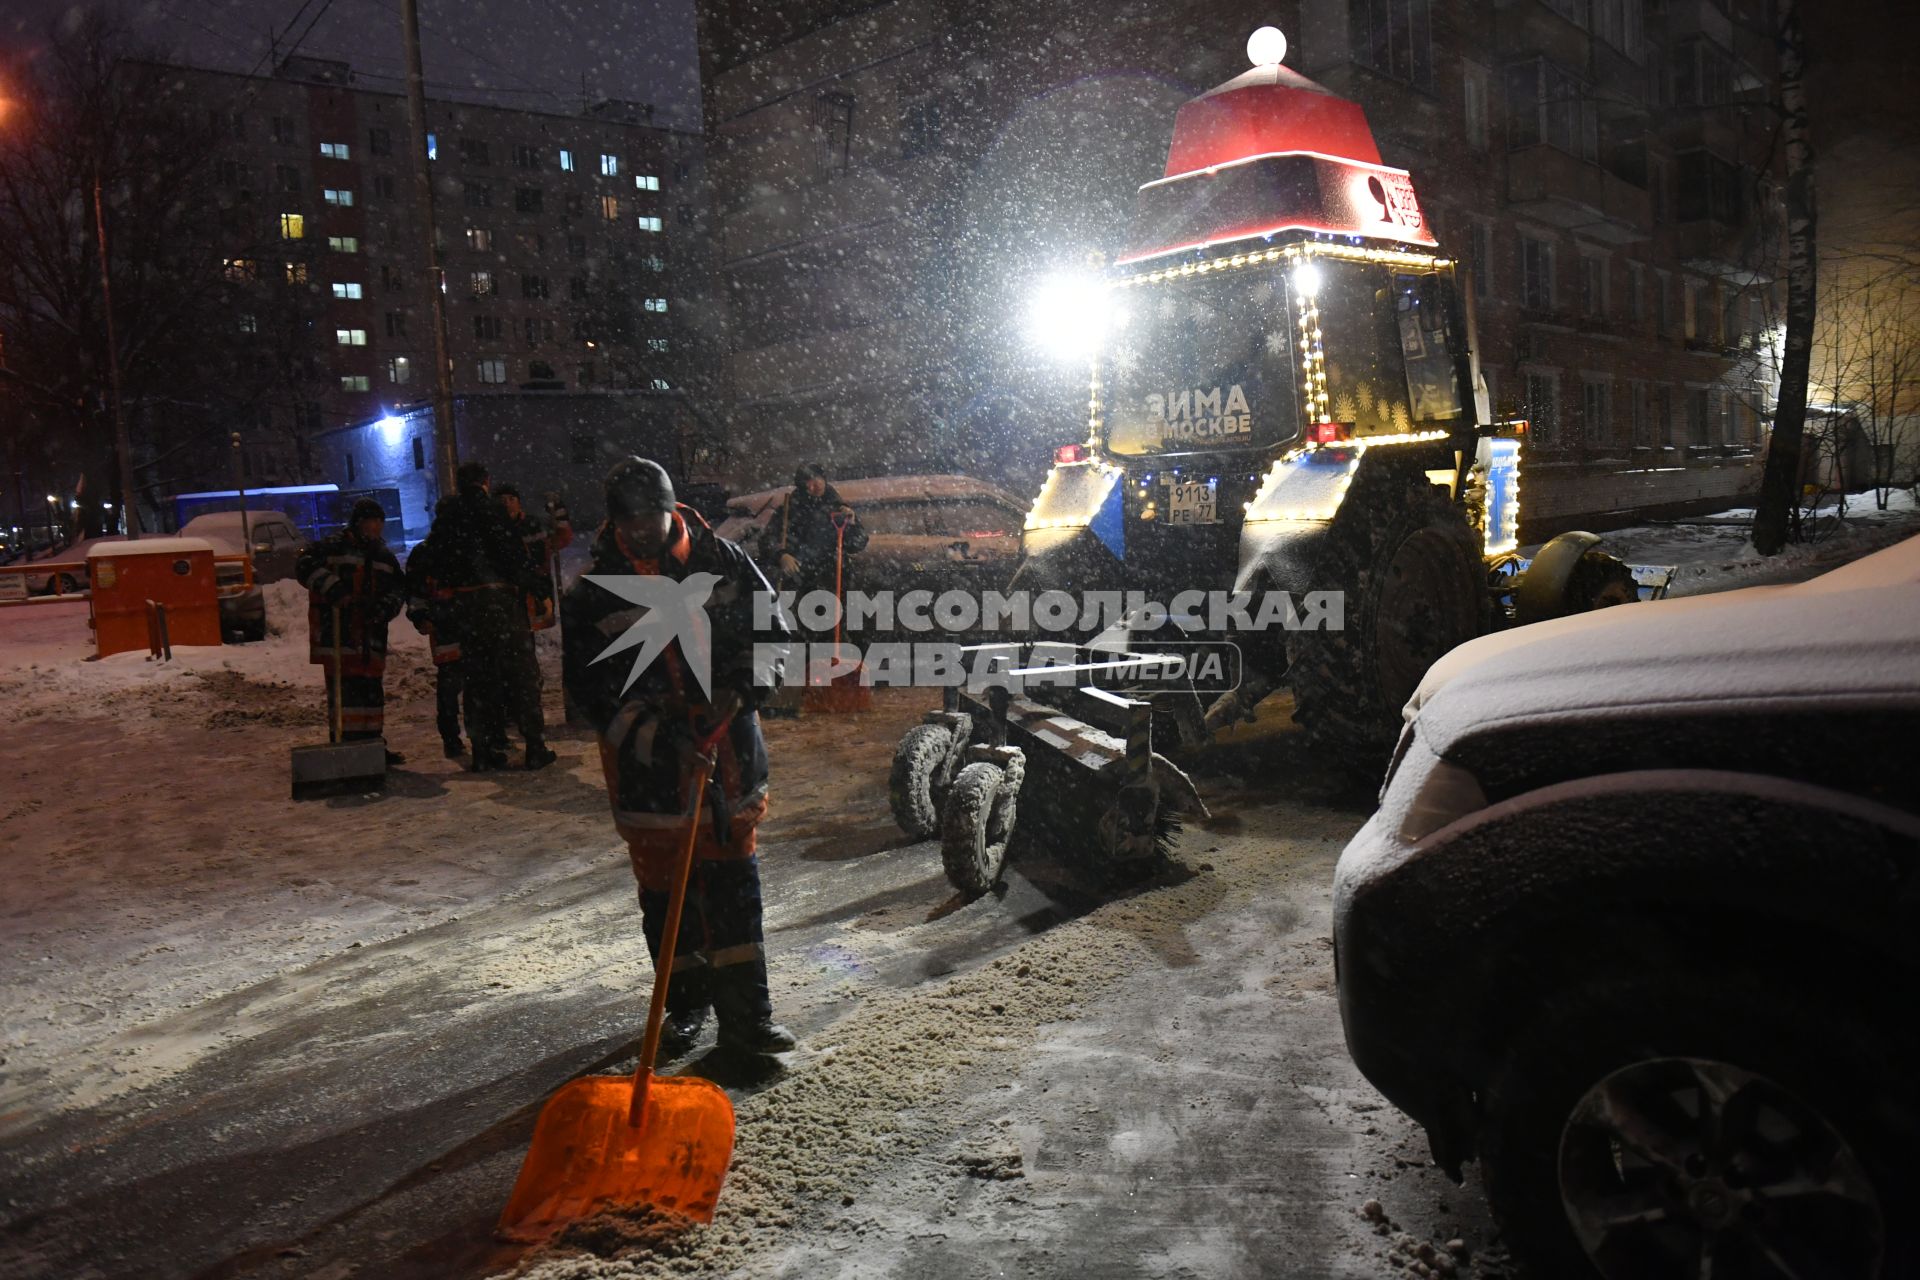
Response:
column 242, row 1037
column 247, row 1037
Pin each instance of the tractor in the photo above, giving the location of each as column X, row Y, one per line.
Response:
column 1284, row 398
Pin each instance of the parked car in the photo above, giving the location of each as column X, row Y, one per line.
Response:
column 276, row 547
column 933, row 533
column 1635, row 925
column 73, row 555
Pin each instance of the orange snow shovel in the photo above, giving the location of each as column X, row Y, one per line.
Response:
column 612, row 1142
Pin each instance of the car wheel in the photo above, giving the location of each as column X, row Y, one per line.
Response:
column 69, row 584
column 1689, row 1127
column 918, row 781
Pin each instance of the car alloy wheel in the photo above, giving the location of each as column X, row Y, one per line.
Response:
column 1675, row 1167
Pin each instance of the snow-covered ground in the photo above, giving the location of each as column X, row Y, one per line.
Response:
column 171, row 916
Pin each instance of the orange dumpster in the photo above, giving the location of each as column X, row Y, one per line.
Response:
column 173, row 573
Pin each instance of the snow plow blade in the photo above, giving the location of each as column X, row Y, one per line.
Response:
column 336, row 768
column 587, row 1157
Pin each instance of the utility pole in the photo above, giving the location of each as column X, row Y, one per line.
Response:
column 446, row 449
column 240, row 487
column 129, row 500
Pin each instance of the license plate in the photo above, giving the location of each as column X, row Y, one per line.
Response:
column 1191, row 502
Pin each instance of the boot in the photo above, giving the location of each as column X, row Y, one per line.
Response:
column 452, row 748
column 488, row 758
column 745, row 1008
column 539, row 756
column 394, row 757
column 681, row 1031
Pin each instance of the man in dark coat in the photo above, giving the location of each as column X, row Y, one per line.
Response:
column 648, row 721
column 542, row 544
column 353, row 583
column 477, row 557
column 430, row 609
column 817, row 530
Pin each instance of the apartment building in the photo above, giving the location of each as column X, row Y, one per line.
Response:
column 890, row 179
column 568, row 244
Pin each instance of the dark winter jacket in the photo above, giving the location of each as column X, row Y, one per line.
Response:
column 474, row 546
column 363, row 579
column 430, row 604
column 807, row 533
column 537, row 545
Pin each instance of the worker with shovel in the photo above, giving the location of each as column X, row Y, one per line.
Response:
column 660, row 654
column 353, row 582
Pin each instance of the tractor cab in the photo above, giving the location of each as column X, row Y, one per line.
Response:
column 1282, row 293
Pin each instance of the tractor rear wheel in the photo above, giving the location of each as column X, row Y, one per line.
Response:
column 1414, row 583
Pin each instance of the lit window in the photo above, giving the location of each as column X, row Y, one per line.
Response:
column 566, row 160
column 350, row 337
column 337, row 197
column 656, row 304
column 240, row 268
column 355, row 382
column 609, row 165
column 493, row 371
column 433, row 146
column 399, row 371
column 649, row 223
column 479, row 238
column 344, row 244
column 293, row 226
column 334, row 151
column 656, row 344
column 610, row 207
column 646, row 181
column 296, row 273
column 249, row 323
column 346, row 289
column 483, row 284
column 660, row 384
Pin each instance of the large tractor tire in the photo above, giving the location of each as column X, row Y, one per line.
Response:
column 1413, row 577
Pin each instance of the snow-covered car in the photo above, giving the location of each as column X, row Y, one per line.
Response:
column 932, row 533
column 276, row 541
column 72, row 559
column 1635, row 924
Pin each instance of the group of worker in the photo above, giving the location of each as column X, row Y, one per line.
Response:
column 478, row 587
column 481, row 583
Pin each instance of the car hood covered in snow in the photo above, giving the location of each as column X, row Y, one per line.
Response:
column 1850, row 637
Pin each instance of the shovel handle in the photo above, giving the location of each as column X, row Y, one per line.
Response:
column 670, row 934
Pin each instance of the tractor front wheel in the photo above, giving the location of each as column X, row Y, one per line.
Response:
column 1410, row 570
column 918, row 782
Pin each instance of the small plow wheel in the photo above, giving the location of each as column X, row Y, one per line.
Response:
column 978, row 821
column 919, row 779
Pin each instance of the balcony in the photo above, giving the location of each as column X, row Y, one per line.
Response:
column 1547, row 184
column 1528, row 28
column 1707, row 18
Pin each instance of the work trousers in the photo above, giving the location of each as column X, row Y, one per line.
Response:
column 450, row 694
column 719, row 956
column 363, row 705
column 502, row 673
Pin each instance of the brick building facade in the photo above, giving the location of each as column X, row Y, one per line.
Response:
column 890, row 178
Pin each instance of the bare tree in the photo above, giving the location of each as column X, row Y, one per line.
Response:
column 187, row 321
column 1775, row 518
column 1868, row 360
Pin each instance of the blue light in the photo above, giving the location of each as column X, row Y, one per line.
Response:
column 393, row 429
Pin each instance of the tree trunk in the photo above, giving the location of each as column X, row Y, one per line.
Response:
column 1777, row 516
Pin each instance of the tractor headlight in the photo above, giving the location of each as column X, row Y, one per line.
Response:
column 1071, row 316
